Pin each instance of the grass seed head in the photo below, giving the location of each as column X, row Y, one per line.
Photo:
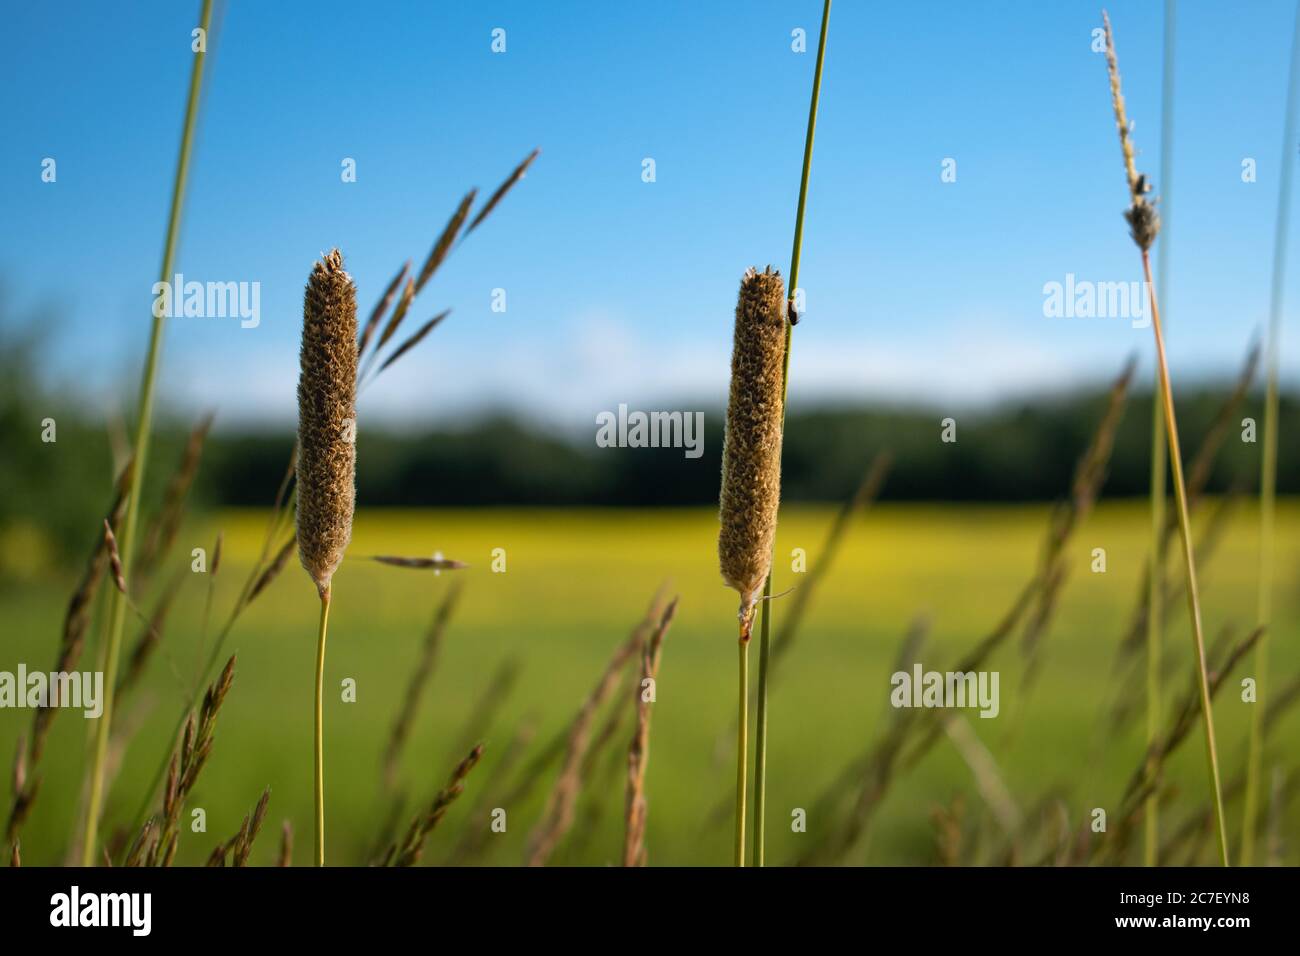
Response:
column 1143, row 220
column 327, row 387
column 114, row 557
column 751, row 453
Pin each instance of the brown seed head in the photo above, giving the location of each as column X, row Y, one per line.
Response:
column 751, row 452
column 1143, row 220
column 327, row 388
column 114, row 557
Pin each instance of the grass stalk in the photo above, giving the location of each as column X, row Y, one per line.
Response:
column 742, row 749
column 1155, row 619
column 638, row 754
column 1159, row 461
column 327, row 464
column 750, row 496
column 1144, row 226
column 1268, row 468
column 765, row 625
column 1189, row 560
column 140, row 457
column 1268, row 465
column 320, row 726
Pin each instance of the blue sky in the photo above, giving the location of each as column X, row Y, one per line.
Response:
column 619, row 290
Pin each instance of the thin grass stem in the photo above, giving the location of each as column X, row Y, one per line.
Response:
column 1159, row 461
column 742, row 749
column 1193, row 593
column 320, row 725
column 144, row 427
column 765, row 625
column 1268, row 470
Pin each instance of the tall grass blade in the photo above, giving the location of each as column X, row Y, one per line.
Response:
column 1159, row 461
column 765, row 627
column 1144, row 225
column 1268, row 463
column 140, row 455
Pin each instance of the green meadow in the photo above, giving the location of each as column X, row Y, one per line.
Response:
column 574, row 584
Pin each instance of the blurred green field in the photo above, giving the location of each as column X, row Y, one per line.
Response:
column 575, row 583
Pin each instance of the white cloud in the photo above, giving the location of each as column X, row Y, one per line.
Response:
column 597, row 360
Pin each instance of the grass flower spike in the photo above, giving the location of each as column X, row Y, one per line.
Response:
column 327, row 457
column 327, row 391
column 751, row 454
column 751, row 476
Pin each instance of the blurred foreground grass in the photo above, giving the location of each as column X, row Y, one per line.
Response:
column 574, row 585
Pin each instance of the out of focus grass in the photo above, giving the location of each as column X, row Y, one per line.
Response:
column 575, row 582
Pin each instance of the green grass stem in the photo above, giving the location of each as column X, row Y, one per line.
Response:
column 1189, row 561
column 320, row 726
column 144, row 427
column 742, row 749
column 1268, row 469
column 765, row 626
column 1159, row 460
